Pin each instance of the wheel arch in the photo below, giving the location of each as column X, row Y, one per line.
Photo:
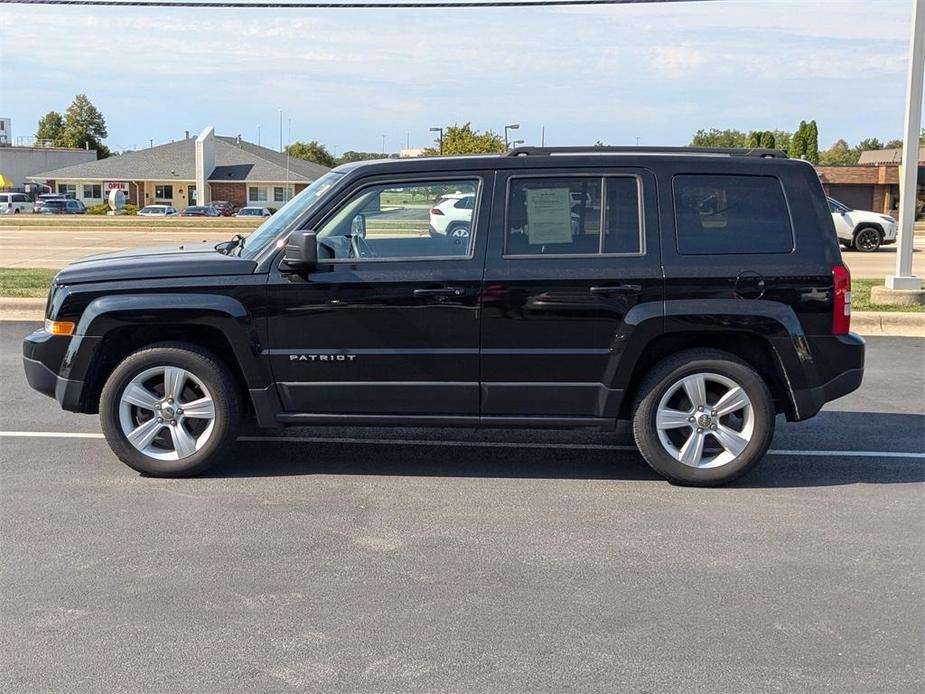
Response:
column 111, row 328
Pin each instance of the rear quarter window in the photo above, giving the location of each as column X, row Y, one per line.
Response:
column 731, row 214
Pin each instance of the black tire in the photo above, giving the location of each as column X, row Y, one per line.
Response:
column 666, row 375
column 16, row 211
column 867, row 239
column 203, row 365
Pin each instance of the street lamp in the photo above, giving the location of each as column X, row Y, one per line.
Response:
column 515, row 143
column 439, row 130
column 513, row 126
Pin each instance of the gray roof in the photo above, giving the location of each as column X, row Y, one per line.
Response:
column 886, row 156
column 235, row 161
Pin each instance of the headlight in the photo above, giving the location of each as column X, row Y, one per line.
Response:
column 886, row 218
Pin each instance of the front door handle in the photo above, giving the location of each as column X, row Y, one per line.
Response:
column 440, row 292
column 611, row 290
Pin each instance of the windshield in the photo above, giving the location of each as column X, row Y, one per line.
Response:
column 292, row 210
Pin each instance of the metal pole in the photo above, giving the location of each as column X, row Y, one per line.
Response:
column 281, row 130
column 904, row 279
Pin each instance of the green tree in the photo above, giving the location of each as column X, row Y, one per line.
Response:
column 351, row 156
column 762, row 138
column 463, row 139
column 839, row 154
column 84, row 126
column 893, row 144
column 312, row 151
column 719, row 138
column 805, row 142
column 51, row 128
column 812, row 142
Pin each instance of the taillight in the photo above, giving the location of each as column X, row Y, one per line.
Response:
column 841, row 300
column 437, row 211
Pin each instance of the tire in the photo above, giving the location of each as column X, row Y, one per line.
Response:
column 17, row 211
column 867, row 239
column 176, row 444
column 662, row 438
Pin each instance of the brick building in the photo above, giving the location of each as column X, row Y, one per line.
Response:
column 188, row 172
column 872, row 184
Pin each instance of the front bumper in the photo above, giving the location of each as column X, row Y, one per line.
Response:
column 56, row 366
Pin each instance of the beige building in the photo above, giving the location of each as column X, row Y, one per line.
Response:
column 188, row 172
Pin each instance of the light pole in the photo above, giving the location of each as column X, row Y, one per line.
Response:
column 439, row 130
column 513, row 126
column 904, row 279
column 515, row 143
column 281, row 130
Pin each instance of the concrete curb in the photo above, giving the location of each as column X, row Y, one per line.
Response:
column 895, row 324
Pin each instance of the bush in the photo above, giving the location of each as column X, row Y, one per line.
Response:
column 103, row 208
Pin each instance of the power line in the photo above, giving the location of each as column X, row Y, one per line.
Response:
column 415, row 4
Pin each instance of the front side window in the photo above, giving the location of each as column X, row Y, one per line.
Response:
column 727, row 214
column 408, row 221
column 163, row 192
column 575, row 215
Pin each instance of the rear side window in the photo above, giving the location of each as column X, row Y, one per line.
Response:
column 574, row 216
column 731, row 214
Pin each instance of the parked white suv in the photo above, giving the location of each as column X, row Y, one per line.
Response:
column 15, row 203
column 860, row 229
column 452, row 215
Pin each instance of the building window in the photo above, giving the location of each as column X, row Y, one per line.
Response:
column 93, row 190
column 282, row 194
column 256, row 194
column 163, row 192
column 67, row 189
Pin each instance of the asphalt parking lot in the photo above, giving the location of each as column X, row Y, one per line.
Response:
column 462, row 561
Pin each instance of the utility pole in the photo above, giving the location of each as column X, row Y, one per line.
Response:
column 542, row 136
column 383, row 145
column 439, row 130
column 281, row 130
column 258, row 133
column 904, row 279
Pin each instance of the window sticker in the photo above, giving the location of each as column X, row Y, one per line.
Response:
column 549, row 218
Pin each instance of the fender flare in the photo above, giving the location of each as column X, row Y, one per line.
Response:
column 774, row 322
column 224, row 313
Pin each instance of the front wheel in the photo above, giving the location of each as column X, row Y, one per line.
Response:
column 703, row 417
column 170, row 410
column 867, row 240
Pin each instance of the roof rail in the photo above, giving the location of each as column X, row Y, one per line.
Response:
column 595, row 149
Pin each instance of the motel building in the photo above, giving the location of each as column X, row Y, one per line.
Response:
column 191, row 171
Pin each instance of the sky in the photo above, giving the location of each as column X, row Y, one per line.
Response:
column 347, row 77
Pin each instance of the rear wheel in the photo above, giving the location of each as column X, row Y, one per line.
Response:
column 867, row 240
column 170, row 410
column 703, row 417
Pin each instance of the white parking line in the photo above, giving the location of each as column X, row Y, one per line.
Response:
column 470, row 444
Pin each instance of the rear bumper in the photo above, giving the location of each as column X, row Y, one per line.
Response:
column 844, row 353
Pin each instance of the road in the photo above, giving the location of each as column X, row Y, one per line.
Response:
column 346, row 560
column 54, row 248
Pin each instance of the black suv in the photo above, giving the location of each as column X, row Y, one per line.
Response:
column 698, row 293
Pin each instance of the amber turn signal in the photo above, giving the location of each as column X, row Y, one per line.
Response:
column 60, row 327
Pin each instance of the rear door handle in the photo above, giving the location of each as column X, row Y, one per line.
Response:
column 611, row 290
column 440, row 292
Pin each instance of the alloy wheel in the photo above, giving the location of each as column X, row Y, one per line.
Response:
column 705, row 420
column 166, row 413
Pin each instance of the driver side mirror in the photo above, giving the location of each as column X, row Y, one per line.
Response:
column 302, row 251
column 358, row 226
